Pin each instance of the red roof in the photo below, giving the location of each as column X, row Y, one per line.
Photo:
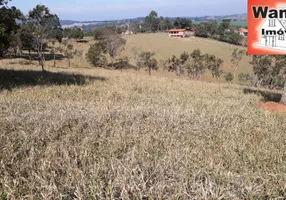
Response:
column 243, row 30
column 177, row 30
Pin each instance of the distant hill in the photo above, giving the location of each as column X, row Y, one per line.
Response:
column 90, row 25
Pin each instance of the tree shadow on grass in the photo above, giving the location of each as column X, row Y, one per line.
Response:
column 48, row 57
column 267, row 95
column 10, row 79
column 35, row 57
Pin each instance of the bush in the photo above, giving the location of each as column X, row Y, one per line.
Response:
column 96, row 55
column 121, row 63
column 228, row 77
column 245, row 78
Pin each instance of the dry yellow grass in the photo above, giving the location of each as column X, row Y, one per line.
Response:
column 165, row 47
column 131, row 136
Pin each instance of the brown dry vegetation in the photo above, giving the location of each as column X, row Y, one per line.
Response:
column 130, row 136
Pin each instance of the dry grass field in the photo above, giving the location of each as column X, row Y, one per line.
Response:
column 165, row 47
column 85, row 133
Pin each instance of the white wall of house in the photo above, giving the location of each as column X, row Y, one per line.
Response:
column 177, row 34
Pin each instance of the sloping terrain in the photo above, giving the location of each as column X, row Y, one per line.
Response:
column 125, row 135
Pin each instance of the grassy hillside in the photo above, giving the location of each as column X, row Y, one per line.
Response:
column 123, row 135
column 165, row 47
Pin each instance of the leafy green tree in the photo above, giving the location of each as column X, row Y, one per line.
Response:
column 8, row 25
column 76, row 33
column 231, row 37
column 195, row 65
column 182, row 23
column 224, row 25
column 270, row 71
column 174, row 65
column 178, row 64
column 15, row 44
column 96, row 55
column 26, row 37
column 211, row 28
column 201, row 31
column 164, row 24
column 213, row 64
column 146, row 59
column 122, row 62
column 152, row 21
column 45, row 26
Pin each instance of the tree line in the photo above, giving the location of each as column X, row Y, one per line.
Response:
column 219, row 31
column 154, row 23
column 37, row 32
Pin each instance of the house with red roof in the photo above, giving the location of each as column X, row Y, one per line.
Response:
column 177, row 33
column 243, row 31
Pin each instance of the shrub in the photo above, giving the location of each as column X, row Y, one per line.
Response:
column 228, row 77
column 121, row 63
column 96, row 55
column 245, row 78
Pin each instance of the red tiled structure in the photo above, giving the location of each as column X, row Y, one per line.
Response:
column 243, row 31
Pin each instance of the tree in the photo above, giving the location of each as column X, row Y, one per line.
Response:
column 213, row 64
column 147, row 60
column 267, row 68
column 245, row 78
column 174, row 65
column 182, row 23
column 236, row 57
column 177, row 22
column 67, row 50
column 45, row 26
column 136, row 52
column 114, row 44
column 212, row 28
column 76, row 33
column 195, row 65
column 26, row 37
column 228, row 77
column 224, row 25
column 178, row 64
column 96, row 55
column 270, row 71
column 8, row 25
column 201, row 31
column 15, row 44
column 122, row 62
column 152, row 21
column 231, row 37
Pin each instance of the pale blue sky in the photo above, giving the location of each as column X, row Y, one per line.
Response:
column 121, row 9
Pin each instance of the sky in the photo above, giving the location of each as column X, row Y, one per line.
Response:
column 96, row 10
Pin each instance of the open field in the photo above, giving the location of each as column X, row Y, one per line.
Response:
column 125, row 135
column 165, row 47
